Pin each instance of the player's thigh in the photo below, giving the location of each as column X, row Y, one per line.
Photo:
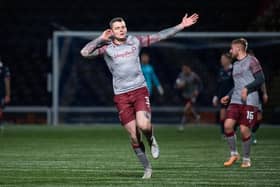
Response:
column 233, row 112
column 143, row 120
column 229, row 125
column 188, row 106
column 143, row 109
column 223, row 113
column 125, row 109
column 248, row 116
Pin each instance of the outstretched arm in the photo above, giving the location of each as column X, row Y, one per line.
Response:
column 167, row 33
column 97, row 46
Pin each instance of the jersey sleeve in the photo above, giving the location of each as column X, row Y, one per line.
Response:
column 255, row 66
column 147, row 40
column 94, row 48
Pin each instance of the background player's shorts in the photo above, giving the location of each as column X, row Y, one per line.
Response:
column 190, row 100
column 243, row 114
column 131, row 102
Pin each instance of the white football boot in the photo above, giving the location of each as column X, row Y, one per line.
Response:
column 154, row 148
column 147, row 173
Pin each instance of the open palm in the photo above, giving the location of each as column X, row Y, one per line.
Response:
column 188, row 21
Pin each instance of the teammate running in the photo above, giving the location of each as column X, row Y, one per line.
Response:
column 248, row 78
column 121, row 53
column 189, row 83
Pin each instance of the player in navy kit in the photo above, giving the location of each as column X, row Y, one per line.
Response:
column 121, row 53
column 244, row 100
column 225, row 84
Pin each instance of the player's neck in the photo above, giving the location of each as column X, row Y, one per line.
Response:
column 119, row 41
column 241, row 56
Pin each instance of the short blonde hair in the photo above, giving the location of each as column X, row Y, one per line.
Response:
column 241, row 41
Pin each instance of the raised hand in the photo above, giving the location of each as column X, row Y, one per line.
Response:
column 106, row 34
column 188, row 21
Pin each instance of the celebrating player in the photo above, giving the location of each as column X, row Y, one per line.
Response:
column 248, row 78
column 5, row 90
column 121, row 53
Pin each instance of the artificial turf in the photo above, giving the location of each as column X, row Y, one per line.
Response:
column 99, row 155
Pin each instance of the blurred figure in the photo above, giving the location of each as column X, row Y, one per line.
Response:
column 189, row 83
column 244, row 101
column 263, row 96
column 150, row 75
column 5, row 89
column 225, row 84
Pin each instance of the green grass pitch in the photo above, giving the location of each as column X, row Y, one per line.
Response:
column 102, row 156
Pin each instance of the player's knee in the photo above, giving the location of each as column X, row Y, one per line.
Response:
column 144, row 124
column 245, row 131
column 228, row 127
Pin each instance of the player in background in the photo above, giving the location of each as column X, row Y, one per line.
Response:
column 121, row 54
column 150, row 75
column 244, row 100
column 225, row 84
column 263, row 96
column 190, row 85
column 5, row 90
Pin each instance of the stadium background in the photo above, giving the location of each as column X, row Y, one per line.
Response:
column 26, row 36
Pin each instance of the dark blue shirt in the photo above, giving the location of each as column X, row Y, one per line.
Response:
column 225, row 82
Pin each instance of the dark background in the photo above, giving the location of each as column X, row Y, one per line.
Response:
column 26, row 27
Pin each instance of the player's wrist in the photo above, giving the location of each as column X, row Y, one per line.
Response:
column 180, row 26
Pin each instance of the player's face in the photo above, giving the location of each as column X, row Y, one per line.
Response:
column 235, row 49
column 225, row 61
column 186, row 70
column 119, row 30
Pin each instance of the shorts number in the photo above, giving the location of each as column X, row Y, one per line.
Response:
column 250, row 115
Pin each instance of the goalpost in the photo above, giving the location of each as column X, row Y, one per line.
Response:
column 79, row 88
